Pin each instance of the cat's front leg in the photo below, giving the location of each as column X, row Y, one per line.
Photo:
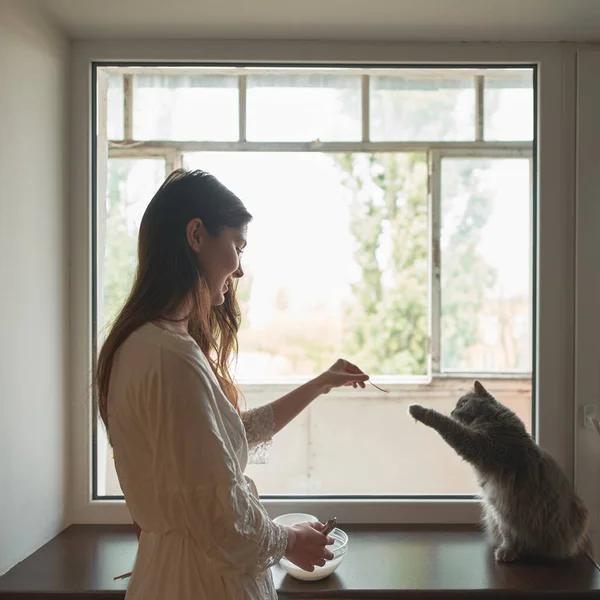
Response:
column 422, row 414
column 432, row 418
column 507, row 550
column 491, row 527
column 465, row 442
column 505, row 553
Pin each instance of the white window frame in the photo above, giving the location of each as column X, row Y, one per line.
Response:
column 554, row 339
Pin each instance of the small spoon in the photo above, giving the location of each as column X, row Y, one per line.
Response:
column 376, row 386
column 329, row 526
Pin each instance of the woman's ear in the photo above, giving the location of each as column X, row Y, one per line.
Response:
column 194, row 234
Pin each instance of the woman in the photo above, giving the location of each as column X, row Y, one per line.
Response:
column 171, row 409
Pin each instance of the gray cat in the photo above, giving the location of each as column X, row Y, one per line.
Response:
column 529, row 508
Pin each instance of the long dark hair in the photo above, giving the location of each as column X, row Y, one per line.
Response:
column 168, row 275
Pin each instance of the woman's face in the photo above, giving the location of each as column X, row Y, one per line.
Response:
column 219, row 257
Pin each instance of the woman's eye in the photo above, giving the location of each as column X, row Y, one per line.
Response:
column 240, row 250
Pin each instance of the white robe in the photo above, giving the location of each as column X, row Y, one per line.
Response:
column 180, row 452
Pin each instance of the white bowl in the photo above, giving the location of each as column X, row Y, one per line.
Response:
column 293, row 518
column 339, row 548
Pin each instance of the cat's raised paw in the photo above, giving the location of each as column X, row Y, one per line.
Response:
column 505, row 554
column 417, row 411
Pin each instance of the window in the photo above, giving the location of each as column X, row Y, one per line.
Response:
column 393, row 219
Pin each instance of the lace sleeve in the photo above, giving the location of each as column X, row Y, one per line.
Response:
column 259, row 424
column 277, row 538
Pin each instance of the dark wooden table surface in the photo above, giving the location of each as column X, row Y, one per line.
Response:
column 400, row 562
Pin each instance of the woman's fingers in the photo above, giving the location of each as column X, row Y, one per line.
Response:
column 352, row 368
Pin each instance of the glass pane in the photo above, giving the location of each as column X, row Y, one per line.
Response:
column 358, row 288
column 303, row 108
column 107, row 482
column 508, row 105
column 185, row 107
column 423, row 105
column 486, row 265
column 131, row 183
column 115, row 107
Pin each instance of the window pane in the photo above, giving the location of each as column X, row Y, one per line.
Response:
column 303, row 108
column 185, row 107
column 130, row 185
column 508, row 105
column 107, row 482
column 423, row 105
column 336, row 263
column 115, row 107
column 486, row 265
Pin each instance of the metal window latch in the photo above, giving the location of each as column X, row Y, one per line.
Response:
column 590, row 419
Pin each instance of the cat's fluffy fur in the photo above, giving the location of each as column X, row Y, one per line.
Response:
column 529, row 506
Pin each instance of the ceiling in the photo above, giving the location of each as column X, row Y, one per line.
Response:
column 406, row 20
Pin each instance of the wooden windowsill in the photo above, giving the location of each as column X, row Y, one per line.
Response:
column 405, row 562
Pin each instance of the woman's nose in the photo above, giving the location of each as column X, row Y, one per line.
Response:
column 239, row 273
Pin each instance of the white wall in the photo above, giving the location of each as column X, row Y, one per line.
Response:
column 33, row 281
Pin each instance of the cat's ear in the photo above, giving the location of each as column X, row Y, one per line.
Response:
column 479, row 389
